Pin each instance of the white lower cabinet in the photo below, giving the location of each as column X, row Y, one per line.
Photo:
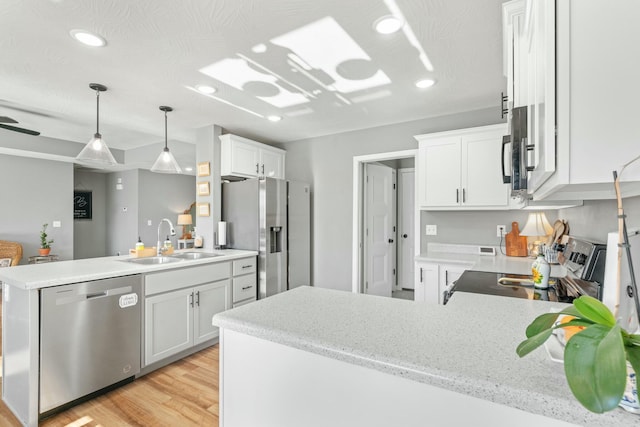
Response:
column 433, row 279
column 178, row 320
column 180, row 304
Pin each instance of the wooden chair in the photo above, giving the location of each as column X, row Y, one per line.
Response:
column 11, row 250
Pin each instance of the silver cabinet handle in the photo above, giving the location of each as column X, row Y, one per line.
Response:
column 457, row 195
column 257, row 168
column 247, row 266
column 198, row 298
column 247, row 287
column 463, row 195
column 420, row 274
column 191, row 299
column 263, row 169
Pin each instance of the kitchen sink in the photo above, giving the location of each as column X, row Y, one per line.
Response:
column 153, row 260
column 194, row 255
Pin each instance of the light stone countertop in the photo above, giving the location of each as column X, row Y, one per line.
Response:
column 38, row 276
column 467, row 346
column 495, row 264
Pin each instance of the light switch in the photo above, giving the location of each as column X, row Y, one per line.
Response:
column 56, row 224
column 149, row 222
column 118, row 186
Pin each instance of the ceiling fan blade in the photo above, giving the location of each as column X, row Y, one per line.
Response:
column 21, row 130
column 5, row 119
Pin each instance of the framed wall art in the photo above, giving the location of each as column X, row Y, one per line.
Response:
column 204, row 169
column 203, row 188
column 202, row 209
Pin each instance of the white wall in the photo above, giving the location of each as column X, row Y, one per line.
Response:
column 326, row 163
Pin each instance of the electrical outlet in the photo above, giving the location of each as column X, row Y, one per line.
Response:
column 501, row 230
column 432, row 230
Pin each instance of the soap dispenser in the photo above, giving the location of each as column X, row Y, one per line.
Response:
column 540, row 270
column 167, row 244
column 139, row 244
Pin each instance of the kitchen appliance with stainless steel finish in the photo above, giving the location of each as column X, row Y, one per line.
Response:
column 521, row 153
column 584, row 261
column 271, row 216
column 89, row 340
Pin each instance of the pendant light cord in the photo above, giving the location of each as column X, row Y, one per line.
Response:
column 97, row 112
column 165, row 131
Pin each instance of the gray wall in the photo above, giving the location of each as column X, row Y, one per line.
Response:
column 122, row 226
column 162, row 196
column 34, row 192
column 90, row 235
column 598, row 217
column 327, row 164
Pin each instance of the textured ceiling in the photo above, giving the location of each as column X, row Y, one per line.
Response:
column 159, row 50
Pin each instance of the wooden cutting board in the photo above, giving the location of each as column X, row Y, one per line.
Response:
column 515, row 243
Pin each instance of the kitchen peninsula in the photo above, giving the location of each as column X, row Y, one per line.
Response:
column 62, row 321
column 337, row 358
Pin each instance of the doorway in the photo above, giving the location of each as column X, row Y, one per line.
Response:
column 384, row 251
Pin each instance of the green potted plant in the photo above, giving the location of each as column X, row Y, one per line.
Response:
column 45, row 245
column 595, row 357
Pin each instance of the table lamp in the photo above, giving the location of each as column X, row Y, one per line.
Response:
column 185, row 220
column 537, row 227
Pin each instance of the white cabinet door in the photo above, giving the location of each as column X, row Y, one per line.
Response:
column 210, row 299
column 272, row 163
column 481, row 171
column 426, row 283
column 441, row 186
column 540, row 84
column 239, row 158
column 168, row 324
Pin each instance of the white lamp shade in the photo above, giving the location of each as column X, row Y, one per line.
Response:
column 96, row 151
column 185, row 219
column 537, row 225
column 166, row 163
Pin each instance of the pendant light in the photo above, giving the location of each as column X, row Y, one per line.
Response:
column 96, row 151
column 166, row 163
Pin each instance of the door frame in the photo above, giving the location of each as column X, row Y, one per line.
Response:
column 357, row 253
column 400, row 211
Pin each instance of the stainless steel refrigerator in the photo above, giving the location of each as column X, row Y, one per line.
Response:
column 271, row 216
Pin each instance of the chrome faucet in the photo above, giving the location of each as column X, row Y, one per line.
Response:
column 172, row 231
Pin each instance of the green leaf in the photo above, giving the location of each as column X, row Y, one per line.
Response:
column 595, row 367
column 633, row 356
column 594, row 310
column 530, row 344
column 631, row 339
column 575, row 322
column 541, row 323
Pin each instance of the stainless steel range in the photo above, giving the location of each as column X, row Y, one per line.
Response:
column 585, row 264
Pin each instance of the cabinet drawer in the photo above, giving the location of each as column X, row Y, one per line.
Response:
column 244, row 266
column 241, row 303
column 170, row 280
column 244, row 287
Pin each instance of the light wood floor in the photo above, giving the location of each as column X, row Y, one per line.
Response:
column 184, row 393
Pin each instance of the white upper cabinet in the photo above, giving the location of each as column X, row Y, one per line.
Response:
column 244, row 158
column 461, row 169
column 580, row 89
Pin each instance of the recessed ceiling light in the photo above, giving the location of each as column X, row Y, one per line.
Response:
column 259, row 48
column 274, row 118
column 188, row 168
column 88, row 38
column 388, row 25
column 425, row 83
column 207, row 90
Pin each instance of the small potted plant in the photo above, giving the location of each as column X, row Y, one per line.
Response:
column 45, row 245
column 595, row 358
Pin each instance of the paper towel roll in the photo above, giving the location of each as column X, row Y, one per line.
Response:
column 222, row 233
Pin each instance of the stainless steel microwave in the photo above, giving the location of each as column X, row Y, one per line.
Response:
column 517, row 154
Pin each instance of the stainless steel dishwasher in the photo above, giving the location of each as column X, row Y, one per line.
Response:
column 89, row 338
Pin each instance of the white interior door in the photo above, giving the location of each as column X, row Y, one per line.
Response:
column 406, row 213
column 379, row 232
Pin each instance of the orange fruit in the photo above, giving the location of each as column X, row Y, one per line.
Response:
column 570, row 331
